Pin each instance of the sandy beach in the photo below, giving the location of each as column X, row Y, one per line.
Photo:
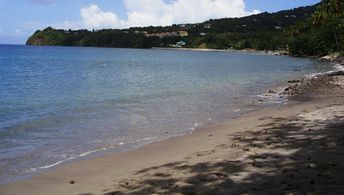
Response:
column 291, row 149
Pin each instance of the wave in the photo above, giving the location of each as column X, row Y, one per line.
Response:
column 338, row 68
column 88, row 153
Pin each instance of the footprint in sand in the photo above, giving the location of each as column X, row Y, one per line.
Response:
column 204, row 153
column 223, row 146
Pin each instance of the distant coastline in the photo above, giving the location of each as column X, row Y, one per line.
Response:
column 261, row 32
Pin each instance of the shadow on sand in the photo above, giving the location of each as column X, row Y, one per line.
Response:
column 290, row 155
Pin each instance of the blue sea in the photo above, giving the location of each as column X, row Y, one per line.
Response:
column 62, row 104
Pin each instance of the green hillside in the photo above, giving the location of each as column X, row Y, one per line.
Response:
column 291, row 30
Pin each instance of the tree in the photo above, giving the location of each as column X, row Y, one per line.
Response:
column 331, row 13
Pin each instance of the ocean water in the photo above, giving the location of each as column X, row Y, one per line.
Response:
column 60, row 104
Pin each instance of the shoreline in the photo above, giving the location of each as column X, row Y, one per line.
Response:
column 123, row 173
column 108, row 149
column 251, row 51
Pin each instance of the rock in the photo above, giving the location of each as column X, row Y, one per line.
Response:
column 216, row 176
column 72, row 182
column 181, row 184
column 220, row 175
column 311, row 165
column 294, row 81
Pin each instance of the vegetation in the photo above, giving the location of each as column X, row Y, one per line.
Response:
column 320, row 34
column 311, row 30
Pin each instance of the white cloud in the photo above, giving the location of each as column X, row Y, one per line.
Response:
column 158, row 12
column 94, row 17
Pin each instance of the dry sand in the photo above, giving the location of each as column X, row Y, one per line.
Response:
column 292, row 149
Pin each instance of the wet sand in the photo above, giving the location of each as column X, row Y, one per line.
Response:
column 295, row 148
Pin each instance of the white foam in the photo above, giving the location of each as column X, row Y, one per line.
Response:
column 81, row 155
column 100, row 149
column 337, row 68
column 90, row 152
column 148, row 138
column 277, row 97
column 51, row 165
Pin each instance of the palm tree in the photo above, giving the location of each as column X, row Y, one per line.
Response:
column 330, row 12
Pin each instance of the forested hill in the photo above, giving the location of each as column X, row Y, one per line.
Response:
column 265, row 31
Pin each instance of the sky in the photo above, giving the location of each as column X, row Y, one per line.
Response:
column 21, row 18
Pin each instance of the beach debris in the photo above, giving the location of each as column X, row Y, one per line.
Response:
column 72, row 182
